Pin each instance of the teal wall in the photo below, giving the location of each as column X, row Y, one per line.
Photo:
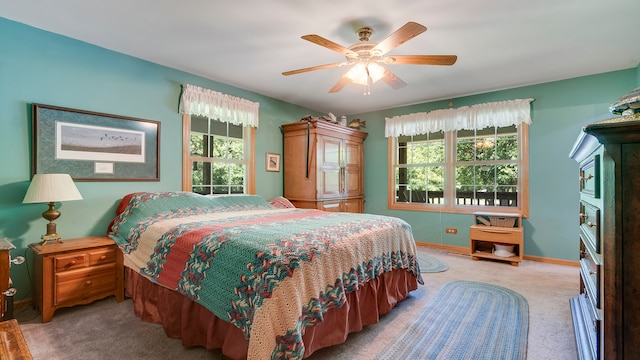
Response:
column 558, row 113
column 40, row 67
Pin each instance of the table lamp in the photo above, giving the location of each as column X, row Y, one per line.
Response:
column 50, row 188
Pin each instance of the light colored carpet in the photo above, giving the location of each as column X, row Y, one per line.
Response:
column 466, row 320
column 109, row 330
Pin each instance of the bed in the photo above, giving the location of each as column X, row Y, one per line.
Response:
column 260, row 279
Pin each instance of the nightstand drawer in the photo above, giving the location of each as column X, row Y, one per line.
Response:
column 70, row 262
column 103, row 256
column 496, row 234
column 85, row 283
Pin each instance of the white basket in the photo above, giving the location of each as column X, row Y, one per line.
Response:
column 502, row 221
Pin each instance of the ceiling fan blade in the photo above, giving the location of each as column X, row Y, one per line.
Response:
column 318, row 67
column 392, row 80
column 339, row 85
column 400, row 36
column 421, row 59
column 316, row 39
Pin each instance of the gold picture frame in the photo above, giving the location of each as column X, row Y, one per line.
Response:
column 273, row 162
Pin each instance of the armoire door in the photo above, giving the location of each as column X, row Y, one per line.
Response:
column 352, row 169
column 329, row 167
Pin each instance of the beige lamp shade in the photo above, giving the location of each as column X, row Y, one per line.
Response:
column 51, row 188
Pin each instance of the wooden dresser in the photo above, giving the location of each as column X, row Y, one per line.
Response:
column 323, row 166
column 76, row 271
column 606, row 313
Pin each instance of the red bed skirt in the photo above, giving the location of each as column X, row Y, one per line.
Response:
column 196, row 326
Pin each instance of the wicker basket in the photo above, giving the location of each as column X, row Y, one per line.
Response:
column 502, row 221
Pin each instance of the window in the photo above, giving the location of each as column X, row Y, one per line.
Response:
column 420, row 168
column 218, row 157
column 218, row 142
column 460, row 171
column 464, row 160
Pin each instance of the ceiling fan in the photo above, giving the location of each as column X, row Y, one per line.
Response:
column 366, row 57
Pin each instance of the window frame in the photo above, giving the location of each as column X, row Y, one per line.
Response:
column 249, row 137
column 449, row 205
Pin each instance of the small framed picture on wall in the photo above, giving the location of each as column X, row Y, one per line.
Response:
column 273, row 162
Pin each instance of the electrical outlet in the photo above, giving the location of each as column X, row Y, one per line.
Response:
column 451, row 230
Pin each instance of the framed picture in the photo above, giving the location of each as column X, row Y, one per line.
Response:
column 273, row 162
column 92, row 146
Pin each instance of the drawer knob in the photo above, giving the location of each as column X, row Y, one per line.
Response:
column 584, row 216
column 592, row 272
column 588, row 177
column 72, row 262
column 88, row 283
column 591, row 224
column 103, row 257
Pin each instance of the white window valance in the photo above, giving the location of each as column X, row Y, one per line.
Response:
column 222, row 107
column 480, row 116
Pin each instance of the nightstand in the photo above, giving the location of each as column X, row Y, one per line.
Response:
column 76, row 271
column 497, row 229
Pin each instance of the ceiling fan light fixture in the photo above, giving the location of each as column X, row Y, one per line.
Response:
column 364, row 73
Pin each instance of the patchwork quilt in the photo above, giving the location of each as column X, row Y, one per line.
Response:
column 270, row 271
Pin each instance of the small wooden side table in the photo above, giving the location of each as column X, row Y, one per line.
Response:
column 76, row 271
column 484, row 230
column 12, row 343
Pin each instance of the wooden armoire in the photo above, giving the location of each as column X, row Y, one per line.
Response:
column 323, row 166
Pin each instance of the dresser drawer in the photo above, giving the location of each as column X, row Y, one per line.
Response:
column 587, row 326
column 590, row 271
column 590, row 225
column 85, row 283
column 590, row 177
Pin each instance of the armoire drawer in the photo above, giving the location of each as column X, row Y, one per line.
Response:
column 590, row 225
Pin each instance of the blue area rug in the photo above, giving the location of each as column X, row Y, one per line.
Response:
column 466, row 320
column 430, row 264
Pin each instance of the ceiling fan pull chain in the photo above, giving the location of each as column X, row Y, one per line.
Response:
column 367, row 88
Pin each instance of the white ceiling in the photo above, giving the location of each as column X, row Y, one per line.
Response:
column 500, row 44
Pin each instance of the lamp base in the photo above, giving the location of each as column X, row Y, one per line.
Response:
column 50, row 239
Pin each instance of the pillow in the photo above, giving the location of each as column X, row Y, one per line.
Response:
column 281, row 202
column 141, row 207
